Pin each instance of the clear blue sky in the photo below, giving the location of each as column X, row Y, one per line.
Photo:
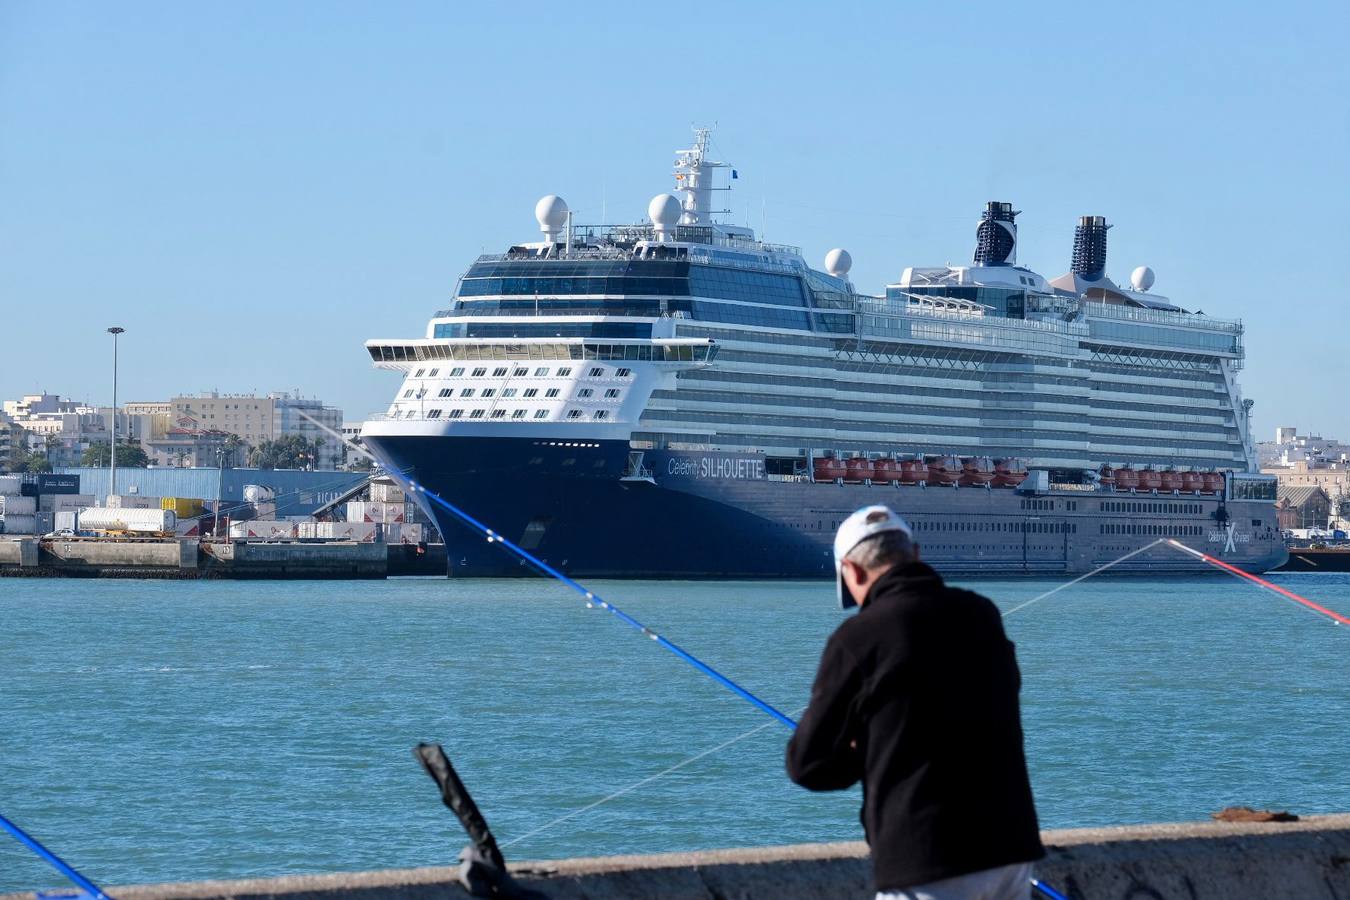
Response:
column 253, row 189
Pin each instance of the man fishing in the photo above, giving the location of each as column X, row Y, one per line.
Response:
column 916, row 696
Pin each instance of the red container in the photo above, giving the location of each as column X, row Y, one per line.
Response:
column 859, row 470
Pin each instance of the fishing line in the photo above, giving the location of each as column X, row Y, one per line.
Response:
column 55, row 861
column 1096, row 571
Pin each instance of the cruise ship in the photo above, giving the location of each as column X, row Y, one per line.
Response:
column 678, row 398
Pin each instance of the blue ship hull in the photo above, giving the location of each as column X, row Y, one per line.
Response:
column 696, row 514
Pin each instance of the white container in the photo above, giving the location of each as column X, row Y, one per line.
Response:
column 10, row 484
column 363, row 532
column 136, row 521
column 132, row 501
column 266, row 510
column 66, row 520
column 257, row 493
column 373, row 511
column 63, row 502
column 386, row 493
column 16, row 524
column 407, row 533
column 263, row 529
column 12, row 505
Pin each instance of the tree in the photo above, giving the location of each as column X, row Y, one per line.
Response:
column 129, row 455
column 35, row 462
column 230, row 448
column 290, row 451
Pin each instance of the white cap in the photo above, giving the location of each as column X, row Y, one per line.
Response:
column 863, row 524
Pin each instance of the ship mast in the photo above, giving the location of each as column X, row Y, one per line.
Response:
column 694, row 180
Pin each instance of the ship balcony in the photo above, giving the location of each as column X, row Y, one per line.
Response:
column 673, row 353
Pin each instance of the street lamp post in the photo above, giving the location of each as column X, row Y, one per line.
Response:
column 112, row 447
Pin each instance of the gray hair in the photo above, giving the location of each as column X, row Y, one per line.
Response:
column 889, row 548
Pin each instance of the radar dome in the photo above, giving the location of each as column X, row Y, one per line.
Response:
column 664, row 211
column 1142, row 278
column 838, row 262
column 551, row 213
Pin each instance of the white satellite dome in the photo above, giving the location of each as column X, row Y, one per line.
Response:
column 1142, row 278
column 551, row 213
column 664, row 211
column 838, row 262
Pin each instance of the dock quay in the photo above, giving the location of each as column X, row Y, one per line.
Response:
column 1309, row 858
column 193, row 558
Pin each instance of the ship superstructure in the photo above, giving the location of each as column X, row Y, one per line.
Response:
column 695, row 384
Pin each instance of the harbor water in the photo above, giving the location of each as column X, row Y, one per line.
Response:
column 154, row 731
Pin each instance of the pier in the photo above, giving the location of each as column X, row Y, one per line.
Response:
column 1309, row 858
column 189, row 558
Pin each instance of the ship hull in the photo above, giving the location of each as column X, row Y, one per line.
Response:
column 582, row 507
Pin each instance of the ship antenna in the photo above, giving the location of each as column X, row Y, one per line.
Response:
column 694, row 179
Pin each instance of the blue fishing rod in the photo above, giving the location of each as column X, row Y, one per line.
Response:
column 55, row 861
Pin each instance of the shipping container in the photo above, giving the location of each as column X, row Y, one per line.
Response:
column 45, row 523
column 345, row 531
column 372, row 511
column 263, row 529
column 406, row 533
column 60, row 502
column 18, row 524
column 135, row 520
column 183, row 507
column 257, row 493
column 383, row 492
column 11, row 504
column 66, row 520
column 10, row 484
column 132, row 501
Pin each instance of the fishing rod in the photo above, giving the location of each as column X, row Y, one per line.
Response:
column 55, row 861
column 1335, row 617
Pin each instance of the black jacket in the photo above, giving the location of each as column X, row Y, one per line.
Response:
column 924, row 683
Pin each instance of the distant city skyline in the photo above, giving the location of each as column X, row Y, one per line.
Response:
column 253, row 192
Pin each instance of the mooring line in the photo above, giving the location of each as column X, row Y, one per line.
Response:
column 1335, row 617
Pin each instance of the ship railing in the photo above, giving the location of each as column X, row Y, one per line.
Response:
column 1161, row 317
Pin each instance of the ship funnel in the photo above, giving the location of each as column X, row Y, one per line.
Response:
column 996, row 235
column 1089, row 248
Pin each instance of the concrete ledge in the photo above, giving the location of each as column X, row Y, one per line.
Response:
column 21, row 552
column 1309, row 859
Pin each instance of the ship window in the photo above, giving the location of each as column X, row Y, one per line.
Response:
column 541, row 371
column 509, row 392
column 612, row 393
column 597, row 372
column 433, row 373
column 445, row 392
column 499, row 372
column 476, row 414
column 455, row 373
column 407, row 393
column 540, row 413
column 456, row 413
column 518, row 414
column 584, row 392
column 434, row 414
column 564, row 371
column 519, row 372
column 499, row 414
column 489, row 392
column 551, row 392
column 467, row 392
column 479, row 372
column 419, row 372
column 530, row 392
column 574, row 414
column 602, row 414
column 624, row 373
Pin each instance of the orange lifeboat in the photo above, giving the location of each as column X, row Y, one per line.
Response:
column 1171, row 480
column 883, row 471
column 1193, row 481
column 944, row 470
column 976, row 471
column 858, row 470
column 1106, row 477
column 828, row 468
column 913, row 471
column 1214, row 482
column 1009, row 472
column 1149, row 479
column 1127, row 479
